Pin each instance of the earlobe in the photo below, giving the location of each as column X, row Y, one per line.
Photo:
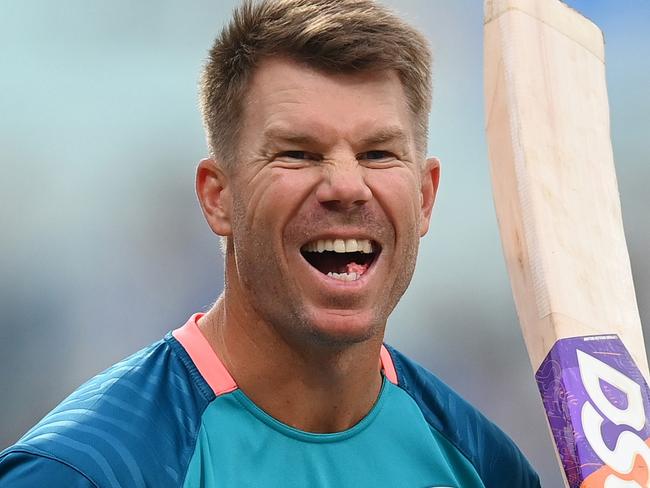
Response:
column 429, row 189
column 214, row 193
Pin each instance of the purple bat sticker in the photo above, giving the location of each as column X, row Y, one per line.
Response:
column 597, row 403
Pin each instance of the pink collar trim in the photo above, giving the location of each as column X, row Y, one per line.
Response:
column 216, row 374
column 387, row 365
column 204, row 357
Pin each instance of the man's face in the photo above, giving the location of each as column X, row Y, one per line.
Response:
column 324, row 162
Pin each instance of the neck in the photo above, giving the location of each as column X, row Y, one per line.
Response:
column 311, row 388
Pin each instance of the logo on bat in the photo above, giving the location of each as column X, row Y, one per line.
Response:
column 596, row 401
column 628, row 445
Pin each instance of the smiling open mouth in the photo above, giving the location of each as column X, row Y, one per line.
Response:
column 342, row 259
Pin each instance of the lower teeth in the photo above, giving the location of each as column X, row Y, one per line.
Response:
column 344, row 276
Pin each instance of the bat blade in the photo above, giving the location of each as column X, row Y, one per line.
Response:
column 558, row 208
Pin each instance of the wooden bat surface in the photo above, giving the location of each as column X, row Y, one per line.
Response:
column 559, row 214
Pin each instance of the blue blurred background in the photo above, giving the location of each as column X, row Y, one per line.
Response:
column 103, row 248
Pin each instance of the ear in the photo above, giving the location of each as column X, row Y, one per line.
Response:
column 215, row 196
column 428, row 191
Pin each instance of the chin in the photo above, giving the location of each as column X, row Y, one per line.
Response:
column 343, row 328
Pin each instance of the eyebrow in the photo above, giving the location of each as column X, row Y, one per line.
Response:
column 381, row 136
column 384, row 135
column 287, row 135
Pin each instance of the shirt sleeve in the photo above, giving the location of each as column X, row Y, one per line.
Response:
column 19, row 469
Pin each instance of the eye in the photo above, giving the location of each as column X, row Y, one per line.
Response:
column 298, row 155
column 293, row 154
column 376, row 156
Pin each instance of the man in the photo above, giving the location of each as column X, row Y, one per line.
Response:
column 316, row 116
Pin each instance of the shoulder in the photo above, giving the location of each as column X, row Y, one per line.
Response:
column 133, row 425
column 20, row 469
column 494, row 455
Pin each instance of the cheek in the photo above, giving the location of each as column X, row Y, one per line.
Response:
column 274, row 196
column 398, row 194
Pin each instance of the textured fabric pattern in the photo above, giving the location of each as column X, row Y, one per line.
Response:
column 27, row 470
column 134, row 425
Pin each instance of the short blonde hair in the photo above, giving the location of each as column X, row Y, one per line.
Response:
column 335, row 36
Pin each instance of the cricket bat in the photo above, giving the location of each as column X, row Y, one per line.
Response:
column 557, row 203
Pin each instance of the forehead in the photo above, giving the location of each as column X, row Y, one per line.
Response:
column 285, row 94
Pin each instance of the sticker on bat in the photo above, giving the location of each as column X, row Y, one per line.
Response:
column 597, row 403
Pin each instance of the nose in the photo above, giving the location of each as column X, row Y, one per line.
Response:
column 344, row 185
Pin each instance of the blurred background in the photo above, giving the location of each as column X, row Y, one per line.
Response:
column 103, row 248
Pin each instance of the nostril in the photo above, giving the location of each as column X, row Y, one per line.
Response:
column 338, row 205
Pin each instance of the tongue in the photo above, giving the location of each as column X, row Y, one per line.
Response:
column 359, row 269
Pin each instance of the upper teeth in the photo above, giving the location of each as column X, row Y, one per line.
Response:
column 339, row 245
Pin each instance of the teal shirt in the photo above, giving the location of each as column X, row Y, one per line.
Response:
column 172, row 416
column 393, row 446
